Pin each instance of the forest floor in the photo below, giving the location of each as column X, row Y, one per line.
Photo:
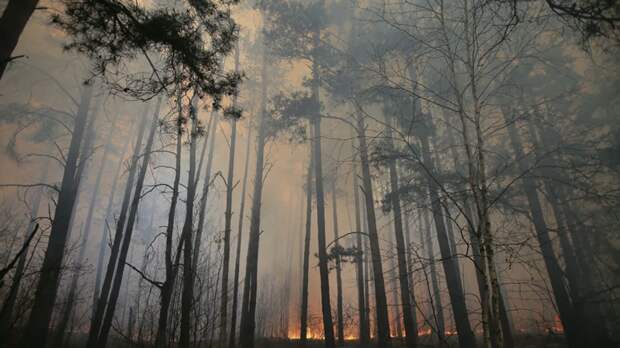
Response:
column 523, row 341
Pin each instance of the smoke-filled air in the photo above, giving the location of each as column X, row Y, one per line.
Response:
column 309, row 173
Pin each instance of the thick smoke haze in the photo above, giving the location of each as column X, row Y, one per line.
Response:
column 462, row 158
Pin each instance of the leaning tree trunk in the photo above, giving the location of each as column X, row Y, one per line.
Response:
column 303, row 330
column 364, row 331
column 233, row 318
column 12, row 23
column 37, row 327
column 574, row 335
column 382, row 319
column 453, row 279
column 126, row 238
column 108, row 212
column 409, row 319
column 102, row 298
column 248, row 305
column 339, row 306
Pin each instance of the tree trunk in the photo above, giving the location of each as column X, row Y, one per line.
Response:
column 228, row 221
column 382, row 320
column 37, row 327
column 167, row 287
column 189, row 260
column 233, row 319
column 435, row 299
column 303, row 330
column 364, row 332
column 411, row 329
column 328, row 328
column 102, row 300
column 453, row 279
column 12, row 23
column 248, row 306
column 126, row 240
column 339, row 305
column 567, row 313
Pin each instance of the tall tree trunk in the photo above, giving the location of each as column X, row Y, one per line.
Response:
column 303, row 330
column 364, row 332
column 189, row 260
column 126, row 238
column 409, row 320
column 102, row 300
column 167, row 287
column 228, row 217
column 574, row 337
column 453, row 279
column 250, row 287
column 328, row 328
column 382, row 319
column 108, row 212
column 12, row 23
column 71, row 298
column 37, row 327
column 233, row 318
column 474, row 240
column 577, row 259
column 339, row 304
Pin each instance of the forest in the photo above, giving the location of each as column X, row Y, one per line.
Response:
column 309, row 173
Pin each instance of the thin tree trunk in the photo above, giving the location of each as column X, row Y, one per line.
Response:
column 411, row 329
column 126, row 240
column 189, row 260
column 167, row 287
column 250, row 288
column 437, row 309
column 303, row 332
column 339, row 305
column 567, row 313
column 382, row 320
column 102, row 300
column 233, row 319
column 364, row 332
column 37, row 327
column 108, row 212
column 228, row 217
column 12, row 23
column 328, row 328
column 455, row 290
